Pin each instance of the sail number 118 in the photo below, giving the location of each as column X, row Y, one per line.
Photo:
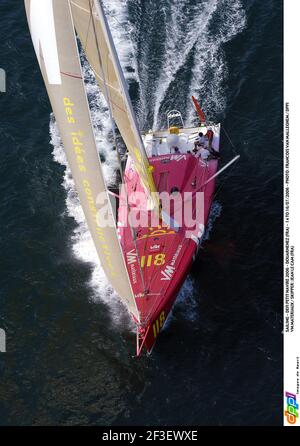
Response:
column 157, row 260
column 158, row 324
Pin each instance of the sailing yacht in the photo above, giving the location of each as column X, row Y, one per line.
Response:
column 146, row 249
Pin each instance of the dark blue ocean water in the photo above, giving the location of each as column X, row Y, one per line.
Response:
column 70, row 348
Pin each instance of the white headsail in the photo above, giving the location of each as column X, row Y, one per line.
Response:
column 95, row 36
column 54, row 39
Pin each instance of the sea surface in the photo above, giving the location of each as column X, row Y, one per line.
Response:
column 70, row 343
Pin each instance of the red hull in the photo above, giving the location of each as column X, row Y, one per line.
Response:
column 165, row 252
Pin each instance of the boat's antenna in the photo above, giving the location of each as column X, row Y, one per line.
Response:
column 199, row 110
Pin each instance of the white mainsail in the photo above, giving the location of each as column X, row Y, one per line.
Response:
column 95, row 36
column 54, row 40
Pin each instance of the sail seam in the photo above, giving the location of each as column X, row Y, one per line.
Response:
column 80, row 7
column 76, row 76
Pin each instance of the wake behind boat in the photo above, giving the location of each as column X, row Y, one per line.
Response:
column 168, row 182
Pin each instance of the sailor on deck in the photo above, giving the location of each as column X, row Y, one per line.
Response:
column 175, row 149
column 201, row 140
column 202, row 153
column 209, row 137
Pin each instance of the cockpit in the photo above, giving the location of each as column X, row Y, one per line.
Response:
column 178, row 139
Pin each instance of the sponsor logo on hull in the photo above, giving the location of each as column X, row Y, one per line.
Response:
column 168, row 273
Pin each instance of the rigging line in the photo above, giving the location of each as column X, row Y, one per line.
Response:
column 230, row 141
column 88, row 31
column 133, row 233
column 223, row 182
column 107, row 95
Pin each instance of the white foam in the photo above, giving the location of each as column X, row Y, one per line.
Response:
column 186, row 303
column 215, row 212
column 121, row 29
column 209, row 66
column 181, row 37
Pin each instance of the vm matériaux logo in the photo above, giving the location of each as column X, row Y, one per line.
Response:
column 292, row 407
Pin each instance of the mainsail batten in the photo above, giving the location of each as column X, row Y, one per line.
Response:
column 97, row 41
column 69, row 102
